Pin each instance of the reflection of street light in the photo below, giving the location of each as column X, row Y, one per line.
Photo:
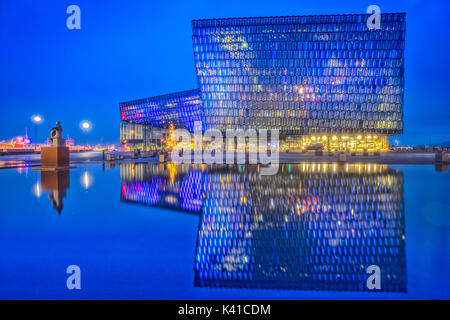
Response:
column 37, row 119
column 37, row 189
column 86, row 180
column 85, row 126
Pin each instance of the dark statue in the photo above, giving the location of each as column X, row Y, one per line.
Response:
column 56, row 136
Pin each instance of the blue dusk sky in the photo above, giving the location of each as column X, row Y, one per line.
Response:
column 134, row 49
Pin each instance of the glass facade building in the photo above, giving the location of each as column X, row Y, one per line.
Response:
column 321, row 80
column 145, row 122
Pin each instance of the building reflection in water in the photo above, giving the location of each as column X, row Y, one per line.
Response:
column 168, row 186
column 310, row 227
column 57, row 182
column 441, row 167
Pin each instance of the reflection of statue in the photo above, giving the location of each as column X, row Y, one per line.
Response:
column 56, row 198
column 56, row 136
column 57, row 182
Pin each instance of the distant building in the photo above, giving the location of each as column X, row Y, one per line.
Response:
column 322, row 80
column 146, row 122
column 70, row 142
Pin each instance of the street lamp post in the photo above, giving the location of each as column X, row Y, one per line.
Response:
column 37, row 119
column 85, row 126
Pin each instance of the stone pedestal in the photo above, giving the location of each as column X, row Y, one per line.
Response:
column 54, row 157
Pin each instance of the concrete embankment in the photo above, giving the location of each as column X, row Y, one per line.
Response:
column 284, row 157
column 383, row 157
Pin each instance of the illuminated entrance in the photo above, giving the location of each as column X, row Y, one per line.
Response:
column 358, row 142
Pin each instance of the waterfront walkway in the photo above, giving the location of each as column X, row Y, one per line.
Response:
column 384, row 157
column 410, row 157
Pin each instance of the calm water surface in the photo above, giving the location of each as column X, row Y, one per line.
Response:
column 183, row 232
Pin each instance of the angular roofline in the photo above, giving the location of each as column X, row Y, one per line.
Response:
column 243, row 19
column 165, row 96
